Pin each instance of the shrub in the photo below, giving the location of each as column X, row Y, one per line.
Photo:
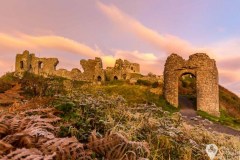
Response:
column 66, row 107
column 143, row 82
column 7, row 81
column 155, row 85
column 35, row 85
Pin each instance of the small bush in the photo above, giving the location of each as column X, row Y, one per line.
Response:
column 115, row 82
column 155, row 85
column 35, row 85
column 66, row 107
column 7, row 81
column 143, row 82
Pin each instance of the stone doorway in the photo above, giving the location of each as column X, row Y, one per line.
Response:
column 115, row 78
column 205, row 71
column 187, row 95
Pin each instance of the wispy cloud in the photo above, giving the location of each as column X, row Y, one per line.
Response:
column 167, row 43
column 24, row 41
column 232, row 63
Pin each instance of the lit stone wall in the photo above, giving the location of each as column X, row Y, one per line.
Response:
column 205, row 70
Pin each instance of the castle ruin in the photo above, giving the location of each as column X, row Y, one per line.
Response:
column 92, row 68
column 198, row 65
column 204, row 69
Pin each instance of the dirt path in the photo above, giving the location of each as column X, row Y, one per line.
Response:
column 190, row 115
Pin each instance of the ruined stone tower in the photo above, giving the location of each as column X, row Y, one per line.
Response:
column 27, row 62
column 122, row 70
column 206, row 73
column 93, row 69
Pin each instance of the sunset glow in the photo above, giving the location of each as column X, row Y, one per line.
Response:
column 145, row 32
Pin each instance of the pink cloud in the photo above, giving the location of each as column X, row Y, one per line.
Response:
column 232, row 63
column 167, row 43
column 30, row 42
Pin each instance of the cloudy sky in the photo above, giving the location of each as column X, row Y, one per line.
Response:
column 142, row 31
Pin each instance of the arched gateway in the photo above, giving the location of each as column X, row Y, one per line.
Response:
column 206, row 73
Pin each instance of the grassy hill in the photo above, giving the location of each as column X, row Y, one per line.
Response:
column 229, row 102
column 134, row 114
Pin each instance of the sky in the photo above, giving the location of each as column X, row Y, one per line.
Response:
column 142, row 31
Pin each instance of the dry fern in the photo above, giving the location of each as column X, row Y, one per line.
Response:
column 33, row 129
column 4, row 130
column 20, row 140
column 31, row 134
column 28, row 154
column 116, row 146
column 5, row 147
column 23, row 121
column 65, row 148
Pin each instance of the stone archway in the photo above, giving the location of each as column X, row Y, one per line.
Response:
column 115, row 78
column 206, row 73
column 99, row 78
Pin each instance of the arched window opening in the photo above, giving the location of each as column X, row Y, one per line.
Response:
column 21, row 64
column 40, row 65
column 124, row 76
column 99, row 78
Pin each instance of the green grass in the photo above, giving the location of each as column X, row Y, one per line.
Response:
column 115, row 82
column 134, row 94
column 224, row 119
column 208, row 116
column 229, row 98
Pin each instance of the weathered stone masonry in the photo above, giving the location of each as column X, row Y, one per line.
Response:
column 92, row 68
column 206, row 73
column 199, row 65
column 28, row 62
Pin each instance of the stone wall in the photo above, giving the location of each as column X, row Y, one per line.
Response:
column 122, row 70
column 92, row 68
column 206, row 73
column 27, row 62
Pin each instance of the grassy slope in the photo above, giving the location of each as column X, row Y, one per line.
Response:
column 229, row 102
column 133, row 94
column 145, row 125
